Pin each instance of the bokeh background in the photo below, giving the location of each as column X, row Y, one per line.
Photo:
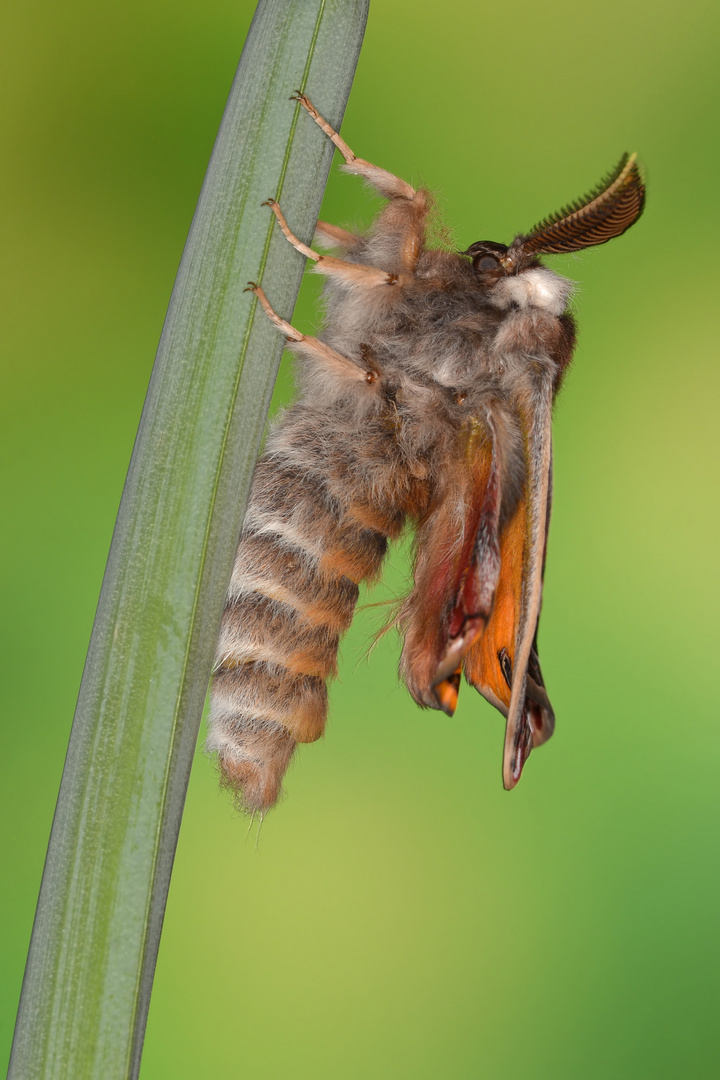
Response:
column 400, row 915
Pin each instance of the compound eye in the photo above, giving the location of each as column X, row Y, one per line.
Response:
column 486, row 262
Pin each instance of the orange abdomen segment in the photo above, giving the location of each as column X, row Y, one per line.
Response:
column 292, row 594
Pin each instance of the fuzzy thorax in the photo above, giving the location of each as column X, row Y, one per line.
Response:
column 534, row 288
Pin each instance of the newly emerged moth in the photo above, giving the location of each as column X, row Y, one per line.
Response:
column 428, row 398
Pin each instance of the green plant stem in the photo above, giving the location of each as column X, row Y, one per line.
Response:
column 97, row 928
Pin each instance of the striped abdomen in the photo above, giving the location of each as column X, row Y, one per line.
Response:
column 294, row 587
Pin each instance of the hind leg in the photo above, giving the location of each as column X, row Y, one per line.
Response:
column 332, row 361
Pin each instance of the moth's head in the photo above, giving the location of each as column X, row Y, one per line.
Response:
column 607, row 211
column 492, row 261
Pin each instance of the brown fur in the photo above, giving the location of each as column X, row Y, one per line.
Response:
column 433, row 379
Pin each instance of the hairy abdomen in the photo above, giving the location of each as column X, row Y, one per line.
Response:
column 303, row 550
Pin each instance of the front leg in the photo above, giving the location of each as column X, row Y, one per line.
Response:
column 392, row 187
column 401, row 227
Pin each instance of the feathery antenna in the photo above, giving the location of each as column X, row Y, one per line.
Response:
column 607, row 211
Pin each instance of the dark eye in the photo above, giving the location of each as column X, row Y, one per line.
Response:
column 486, row 262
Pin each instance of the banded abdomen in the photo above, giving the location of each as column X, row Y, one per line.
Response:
column 303, row 550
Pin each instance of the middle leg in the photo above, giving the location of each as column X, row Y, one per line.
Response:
column 350, row 273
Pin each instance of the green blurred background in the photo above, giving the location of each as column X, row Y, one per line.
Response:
column 401, row 915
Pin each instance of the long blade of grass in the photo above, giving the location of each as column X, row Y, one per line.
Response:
column 92, row 956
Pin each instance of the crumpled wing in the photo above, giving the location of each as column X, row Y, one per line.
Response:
column 476, row 602
column 503, row 663
column 456, row 571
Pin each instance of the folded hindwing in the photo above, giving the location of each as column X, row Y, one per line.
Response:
column 503, row 663
column 456, row 569
column 478, row 584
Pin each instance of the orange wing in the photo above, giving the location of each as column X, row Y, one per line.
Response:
column 503, row 665
column 456, row 571
column 476, row 602
column 492, row 664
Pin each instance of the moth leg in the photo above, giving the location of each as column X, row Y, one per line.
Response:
column 392, row 187
column 401, row 227
column 333, row 236
column 351, row 273
column 313, row 347
column 288, row 234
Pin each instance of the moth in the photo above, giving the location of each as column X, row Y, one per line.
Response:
column 426, row 400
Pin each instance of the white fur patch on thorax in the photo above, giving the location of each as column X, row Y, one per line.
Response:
column 538, row 288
